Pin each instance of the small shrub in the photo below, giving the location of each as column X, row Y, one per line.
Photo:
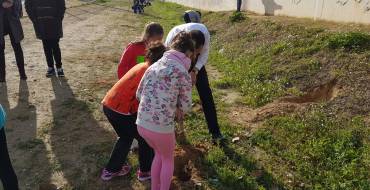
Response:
column 237, row 17
column 349, row 41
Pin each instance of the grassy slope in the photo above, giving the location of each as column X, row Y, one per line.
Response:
column 326, row 145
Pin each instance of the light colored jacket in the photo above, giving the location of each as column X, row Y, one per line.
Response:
column 164, row 88
column 2, row 117
column 203, row 57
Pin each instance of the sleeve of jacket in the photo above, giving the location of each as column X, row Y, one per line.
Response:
column 18, row 9
column 170, row 37
column 125, row 62
column 140, row 88
column 185, row 89
column 203, row 57
column 2, row 117
column 30, row 9
column 61, row 8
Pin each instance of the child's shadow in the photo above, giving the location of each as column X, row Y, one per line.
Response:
column 81, row 146
column 25, row 140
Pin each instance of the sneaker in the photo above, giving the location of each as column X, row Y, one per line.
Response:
column 60, row 72
column 107, row 175
column 50, row 72
column 143, row 176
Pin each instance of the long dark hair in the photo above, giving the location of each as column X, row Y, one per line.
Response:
column 155, row 51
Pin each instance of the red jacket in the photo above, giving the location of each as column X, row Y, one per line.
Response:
column 121, row 97
column 133, row 55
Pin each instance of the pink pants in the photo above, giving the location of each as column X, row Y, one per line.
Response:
column 163, row 163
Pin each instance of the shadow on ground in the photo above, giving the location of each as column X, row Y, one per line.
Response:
column 28, row 150
column 81, row 146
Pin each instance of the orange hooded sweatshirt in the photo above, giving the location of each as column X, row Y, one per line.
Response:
column 121, row 97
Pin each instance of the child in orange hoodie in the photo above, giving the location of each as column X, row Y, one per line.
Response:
column 120, row 106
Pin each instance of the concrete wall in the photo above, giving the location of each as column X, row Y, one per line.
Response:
column 334, row 10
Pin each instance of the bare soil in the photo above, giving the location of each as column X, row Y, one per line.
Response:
column 58, row 139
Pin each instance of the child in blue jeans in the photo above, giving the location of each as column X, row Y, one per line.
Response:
column 7, row 174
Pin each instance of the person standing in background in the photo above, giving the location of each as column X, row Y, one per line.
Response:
column 10, row 14
column 47, row 18
column 7, row 174
column 239, row 5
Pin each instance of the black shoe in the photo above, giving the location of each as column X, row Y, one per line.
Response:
column 60, row 72
column 50, row 72
column 218, row 139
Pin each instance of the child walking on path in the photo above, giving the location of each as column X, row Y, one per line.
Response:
column 165, row 95
column 120, row 106
column 7, row 174
column 135, row 51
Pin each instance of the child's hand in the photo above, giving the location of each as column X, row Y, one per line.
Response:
column 193, row 75
column 179, row 117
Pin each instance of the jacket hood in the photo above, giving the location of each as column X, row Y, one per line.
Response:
column 179, row 57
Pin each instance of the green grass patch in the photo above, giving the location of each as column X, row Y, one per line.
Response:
column 252, row 76
column 237, row 17
column 102, row 1
column 350, row 41
column 167, row 14
column 323, row 152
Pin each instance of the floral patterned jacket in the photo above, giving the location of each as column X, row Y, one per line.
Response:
column 165, row 87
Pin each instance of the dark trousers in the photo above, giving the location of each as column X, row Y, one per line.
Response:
column 18, row 52
column 126, row 129
column 208, row 104
column 52, row 52
column 7, row 174
column 239, row 5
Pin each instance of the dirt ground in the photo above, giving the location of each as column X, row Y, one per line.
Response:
column 54, row 135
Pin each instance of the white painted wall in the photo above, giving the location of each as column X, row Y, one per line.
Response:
column 212, row 5
column 334, row 10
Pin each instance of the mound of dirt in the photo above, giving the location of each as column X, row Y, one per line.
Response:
column 324, row 92
column 183, row 165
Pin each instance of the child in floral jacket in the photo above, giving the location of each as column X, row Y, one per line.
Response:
column 165, row 94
